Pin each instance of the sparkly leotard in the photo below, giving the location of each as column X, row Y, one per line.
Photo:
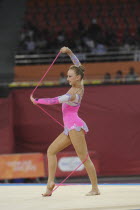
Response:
column 70, row 116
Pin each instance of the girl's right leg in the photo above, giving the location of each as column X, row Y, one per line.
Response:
column 60, row 143
column 80, row 145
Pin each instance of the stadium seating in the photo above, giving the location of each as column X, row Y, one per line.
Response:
column 57, row 15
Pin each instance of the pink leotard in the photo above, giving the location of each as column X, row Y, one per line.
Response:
column 70, row 111
column 70, row 116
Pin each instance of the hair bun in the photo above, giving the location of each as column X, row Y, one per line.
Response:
column 82, row 68
column 79, row 70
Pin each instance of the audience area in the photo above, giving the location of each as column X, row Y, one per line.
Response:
column 84, row 25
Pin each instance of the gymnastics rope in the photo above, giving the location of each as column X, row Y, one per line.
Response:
column 55, row 120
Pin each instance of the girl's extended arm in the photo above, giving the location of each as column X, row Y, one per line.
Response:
column 51, row 101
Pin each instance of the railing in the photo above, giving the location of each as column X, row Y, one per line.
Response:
column 112, row 54
column 45, row 58
column 99, row 81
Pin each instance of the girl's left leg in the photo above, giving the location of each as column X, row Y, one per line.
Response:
column 79, row 143
column 60, row 143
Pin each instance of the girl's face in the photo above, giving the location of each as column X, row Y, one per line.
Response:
column 72, row 77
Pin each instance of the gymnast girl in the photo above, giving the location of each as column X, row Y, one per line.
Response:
column 74, row 127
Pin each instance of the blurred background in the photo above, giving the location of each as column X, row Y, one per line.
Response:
column 105, row 36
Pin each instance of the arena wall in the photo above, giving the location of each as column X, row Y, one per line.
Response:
column 111, row 113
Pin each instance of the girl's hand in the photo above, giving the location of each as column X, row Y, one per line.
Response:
column 32, row 99
column 65, row 50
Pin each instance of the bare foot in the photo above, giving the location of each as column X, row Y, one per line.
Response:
column 49, row 190
column 93, row 192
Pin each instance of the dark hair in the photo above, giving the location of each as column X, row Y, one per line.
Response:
column 79, row 70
